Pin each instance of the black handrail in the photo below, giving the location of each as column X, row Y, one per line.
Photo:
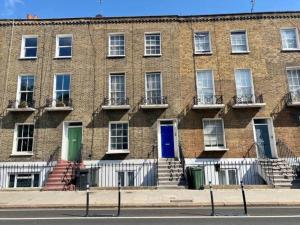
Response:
column 208, row 99
column 292, row 97
column 182, row 158
column 157, row 100
column 18, row 104
column 116, row 101
column 52, row 102
column 248, row 99
column 286, row 153
column 53, row 157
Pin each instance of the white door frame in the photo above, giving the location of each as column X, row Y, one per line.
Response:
column 65, row 141
column 175, row 133
column 272, row 137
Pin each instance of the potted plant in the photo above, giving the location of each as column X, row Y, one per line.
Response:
column 23, row 104
column 60, row 104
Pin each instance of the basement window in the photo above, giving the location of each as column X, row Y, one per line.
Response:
column 228, row 177
column 23, row 180
column 126, row 178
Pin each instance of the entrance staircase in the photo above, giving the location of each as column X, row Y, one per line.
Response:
column 279, row 173
column 62, row 176
column 170, row 174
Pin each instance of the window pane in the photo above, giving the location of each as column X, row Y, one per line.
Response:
column 222, row 177
column 11, row 181
column 59, row 82
column 65, row 41
column 30, row 42
column 30, row 52
column 36, row 180
column 130, row 178
column 121, row 179
column 232, row 177
column 65, row 51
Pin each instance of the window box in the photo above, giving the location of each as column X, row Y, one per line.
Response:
column 125, row 178
column 116, row 45
column 239, row 42
column 29, row 47
column 64, row 46
column 152, row 44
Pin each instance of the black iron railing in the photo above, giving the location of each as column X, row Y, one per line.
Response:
column 293, row 97
column 155, row 100
column 116, row 101
column 16, row 104
column 286, row 153
column 248, row 99
column 208, row 99
column 51, row 102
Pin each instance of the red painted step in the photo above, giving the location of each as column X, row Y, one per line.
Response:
column 59, row 179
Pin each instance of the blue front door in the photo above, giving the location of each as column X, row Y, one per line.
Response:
column 167, row 141
column 263, row 140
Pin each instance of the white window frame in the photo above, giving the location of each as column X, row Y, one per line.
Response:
column 18, row 96
column 215, row 148
column 23, row 48
column 297, row 37
column 126, row 177
column 58, row 36
column 297, row 68
column 227, row 176
column 152, row 33
column 213, row 83
column 161, row 86
column 111, row 151
column 197, row 52
column 109, row 83
column 15, row 140
column 252, row 84
column 247, row 42
column 22, row 173
column 109, row 44
column 54, row 87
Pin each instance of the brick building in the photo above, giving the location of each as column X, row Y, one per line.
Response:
column 216, row 88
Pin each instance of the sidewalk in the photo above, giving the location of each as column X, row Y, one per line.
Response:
column 149, row 198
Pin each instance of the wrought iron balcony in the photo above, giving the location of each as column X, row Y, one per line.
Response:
column 248, row 101
column 21, row 106
column 116, row 103
column 59, row 105
column 208, row 102
column 158, row 102
column 293, row 98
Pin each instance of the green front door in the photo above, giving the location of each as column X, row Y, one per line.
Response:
column 74, row 139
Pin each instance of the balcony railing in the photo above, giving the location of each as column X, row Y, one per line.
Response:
column 208, row 101
column 57, row 104
column 154, row 102
column 293, row 98
column 116, row 103
column 16, row 105
column 249, row 101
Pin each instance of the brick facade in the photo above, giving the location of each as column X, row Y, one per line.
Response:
column 90, row 68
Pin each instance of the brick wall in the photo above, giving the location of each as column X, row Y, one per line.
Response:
column 90, row 68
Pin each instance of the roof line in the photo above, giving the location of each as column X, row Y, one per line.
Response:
column 159, row 16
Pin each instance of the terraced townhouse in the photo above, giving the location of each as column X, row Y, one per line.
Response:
column 141, row 100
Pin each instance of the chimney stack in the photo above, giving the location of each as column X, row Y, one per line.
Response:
column 32, row 17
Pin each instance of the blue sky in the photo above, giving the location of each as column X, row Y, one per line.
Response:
column 89, row 8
